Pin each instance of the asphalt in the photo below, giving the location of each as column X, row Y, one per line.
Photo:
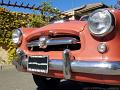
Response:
column 11, row 79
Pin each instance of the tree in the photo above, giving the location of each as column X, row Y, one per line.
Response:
column 13, row 20
column 47, row 11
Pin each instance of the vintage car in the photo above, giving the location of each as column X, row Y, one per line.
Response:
column 85, row 51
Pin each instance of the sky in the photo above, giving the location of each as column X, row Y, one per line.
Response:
column 62, row 5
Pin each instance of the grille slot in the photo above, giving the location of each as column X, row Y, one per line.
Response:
column 56, row 48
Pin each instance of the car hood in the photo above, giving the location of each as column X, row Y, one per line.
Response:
column 71, row 27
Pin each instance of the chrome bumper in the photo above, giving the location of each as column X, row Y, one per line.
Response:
column 68, row 66
column 105, row 68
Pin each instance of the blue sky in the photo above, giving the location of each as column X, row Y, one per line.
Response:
column 62, row 5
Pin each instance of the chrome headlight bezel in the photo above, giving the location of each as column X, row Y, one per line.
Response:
column 107, row 29
column 17, row 36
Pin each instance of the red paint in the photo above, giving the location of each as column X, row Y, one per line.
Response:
column 88, row 50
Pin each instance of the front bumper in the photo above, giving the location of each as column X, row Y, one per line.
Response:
column 69, row 66
column 92, row 67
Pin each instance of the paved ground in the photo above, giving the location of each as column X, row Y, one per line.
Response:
column 10, row 79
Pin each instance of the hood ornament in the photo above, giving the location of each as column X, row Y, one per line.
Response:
column 42, row 41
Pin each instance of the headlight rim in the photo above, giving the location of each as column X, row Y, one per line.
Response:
column 109, row 29
column 20, row 36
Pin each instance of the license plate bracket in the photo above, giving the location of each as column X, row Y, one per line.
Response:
column 38, row 64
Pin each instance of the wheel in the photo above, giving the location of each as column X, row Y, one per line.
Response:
column 45, row 83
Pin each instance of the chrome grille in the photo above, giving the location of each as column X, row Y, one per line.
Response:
column 46, row 43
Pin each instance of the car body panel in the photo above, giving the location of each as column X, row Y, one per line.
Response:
column 87, row 52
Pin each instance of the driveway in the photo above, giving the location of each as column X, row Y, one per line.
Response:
column 11, row 79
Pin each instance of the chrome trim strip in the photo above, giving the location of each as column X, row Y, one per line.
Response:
column 55, row 41
column 33, row 43
column 92, row 67
column 59, row 41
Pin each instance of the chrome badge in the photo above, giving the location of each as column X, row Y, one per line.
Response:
column 42, row 41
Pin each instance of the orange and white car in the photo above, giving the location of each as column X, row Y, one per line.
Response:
column 85, row 51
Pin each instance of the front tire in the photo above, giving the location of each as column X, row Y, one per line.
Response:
column 45, row 83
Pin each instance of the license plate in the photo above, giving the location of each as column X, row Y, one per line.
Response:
column 38, row 64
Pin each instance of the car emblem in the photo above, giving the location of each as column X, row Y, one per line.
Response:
column 42, row 41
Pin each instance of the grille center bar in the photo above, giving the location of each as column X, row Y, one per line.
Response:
column 44, row 41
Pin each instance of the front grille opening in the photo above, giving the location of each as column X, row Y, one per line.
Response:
column 56, row 48
column 60, row 47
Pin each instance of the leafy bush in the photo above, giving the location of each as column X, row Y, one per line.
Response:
column 8, row 22
column 36, row 21
column 13, row 20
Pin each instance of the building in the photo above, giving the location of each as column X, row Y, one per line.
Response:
column 76, row 13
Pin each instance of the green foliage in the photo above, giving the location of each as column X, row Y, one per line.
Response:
column 8, row 22
column 47, row 11
column 13, row 20
column 37, row 21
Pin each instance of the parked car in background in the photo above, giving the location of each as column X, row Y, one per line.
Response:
column 85, row 51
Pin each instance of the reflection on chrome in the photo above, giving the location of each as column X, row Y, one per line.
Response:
column 43, row 42
column 92, row 67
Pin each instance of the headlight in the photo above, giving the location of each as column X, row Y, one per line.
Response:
column 100, row 22
column 16, row 36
